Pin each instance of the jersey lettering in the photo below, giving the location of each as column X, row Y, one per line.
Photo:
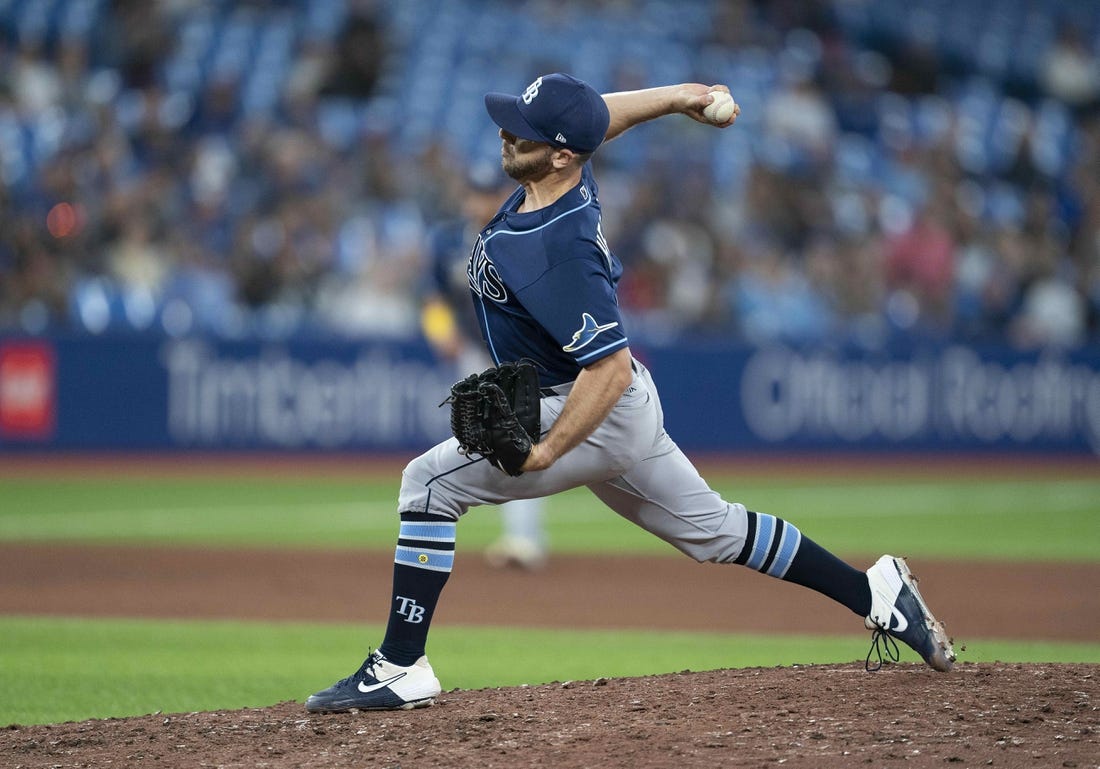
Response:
column 601, row 241
column 483, row 276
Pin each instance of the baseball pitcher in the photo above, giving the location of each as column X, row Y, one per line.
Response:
column 566, row 404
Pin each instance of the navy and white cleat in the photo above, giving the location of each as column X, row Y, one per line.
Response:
column 379, row 685
column 898, row 611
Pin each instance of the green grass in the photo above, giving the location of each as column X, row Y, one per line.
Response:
column 1017, row 519
column 248, row 511
column 56, row 670
column 63, row 669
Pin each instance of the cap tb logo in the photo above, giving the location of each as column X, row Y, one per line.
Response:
column 532, row 91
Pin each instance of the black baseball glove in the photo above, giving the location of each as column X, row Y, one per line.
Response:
column 496, row 414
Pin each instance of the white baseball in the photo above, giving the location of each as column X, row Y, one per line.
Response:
column 721, row 109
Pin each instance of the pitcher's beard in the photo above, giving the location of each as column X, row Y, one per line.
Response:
column 530, row 168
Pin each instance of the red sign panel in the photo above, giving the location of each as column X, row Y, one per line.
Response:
column 28, row 390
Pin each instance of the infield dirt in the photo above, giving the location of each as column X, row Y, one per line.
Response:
column 1002, row 715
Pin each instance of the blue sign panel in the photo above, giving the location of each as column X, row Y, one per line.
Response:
column 381, row 396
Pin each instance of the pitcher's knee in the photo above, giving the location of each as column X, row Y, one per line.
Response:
column 716, row 537
column 421, row 492
column 417, row 471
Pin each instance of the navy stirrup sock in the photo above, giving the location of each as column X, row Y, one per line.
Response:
column 422, row 565
column 777, row 548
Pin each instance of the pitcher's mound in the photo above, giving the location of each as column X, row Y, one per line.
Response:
column 1001, row 715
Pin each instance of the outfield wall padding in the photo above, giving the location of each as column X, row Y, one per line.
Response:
column 153, row 394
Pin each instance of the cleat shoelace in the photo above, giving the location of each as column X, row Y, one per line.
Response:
column 881, row 641
column 369, row 663
column 366, row 670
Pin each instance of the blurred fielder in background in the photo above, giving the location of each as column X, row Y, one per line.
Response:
column 449, row 325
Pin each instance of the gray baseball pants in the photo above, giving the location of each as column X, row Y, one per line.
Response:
column 629, row 462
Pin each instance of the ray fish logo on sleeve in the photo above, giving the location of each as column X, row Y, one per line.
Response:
column 588, row 331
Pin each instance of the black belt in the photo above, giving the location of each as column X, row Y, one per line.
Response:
column 546, row 392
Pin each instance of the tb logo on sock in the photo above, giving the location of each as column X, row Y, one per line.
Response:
column 410, row 610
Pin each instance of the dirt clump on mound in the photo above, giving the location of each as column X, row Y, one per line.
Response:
column 989, row 714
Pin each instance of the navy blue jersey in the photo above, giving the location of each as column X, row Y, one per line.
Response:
column 544, row 284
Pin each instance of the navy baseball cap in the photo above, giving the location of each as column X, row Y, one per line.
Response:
column 556, row 109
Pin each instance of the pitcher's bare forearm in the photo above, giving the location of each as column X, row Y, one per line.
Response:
column 629, row 108
column 596, row 391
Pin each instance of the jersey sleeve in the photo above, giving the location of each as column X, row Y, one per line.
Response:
column 574, row 301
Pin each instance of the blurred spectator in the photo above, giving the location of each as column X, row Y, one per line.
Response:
column 859, row 293
column 140, row 38
column 920, row 269
column 260, row 168
column 800, row 115
column 34, row 81
column 1069, row 71
column 1052, row 315
column 683, row 253
column 136, row 260
column 774, row 301
column 360, row 51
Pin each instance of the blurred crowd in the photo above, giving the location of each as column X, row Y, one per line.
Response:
column 900, row 170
